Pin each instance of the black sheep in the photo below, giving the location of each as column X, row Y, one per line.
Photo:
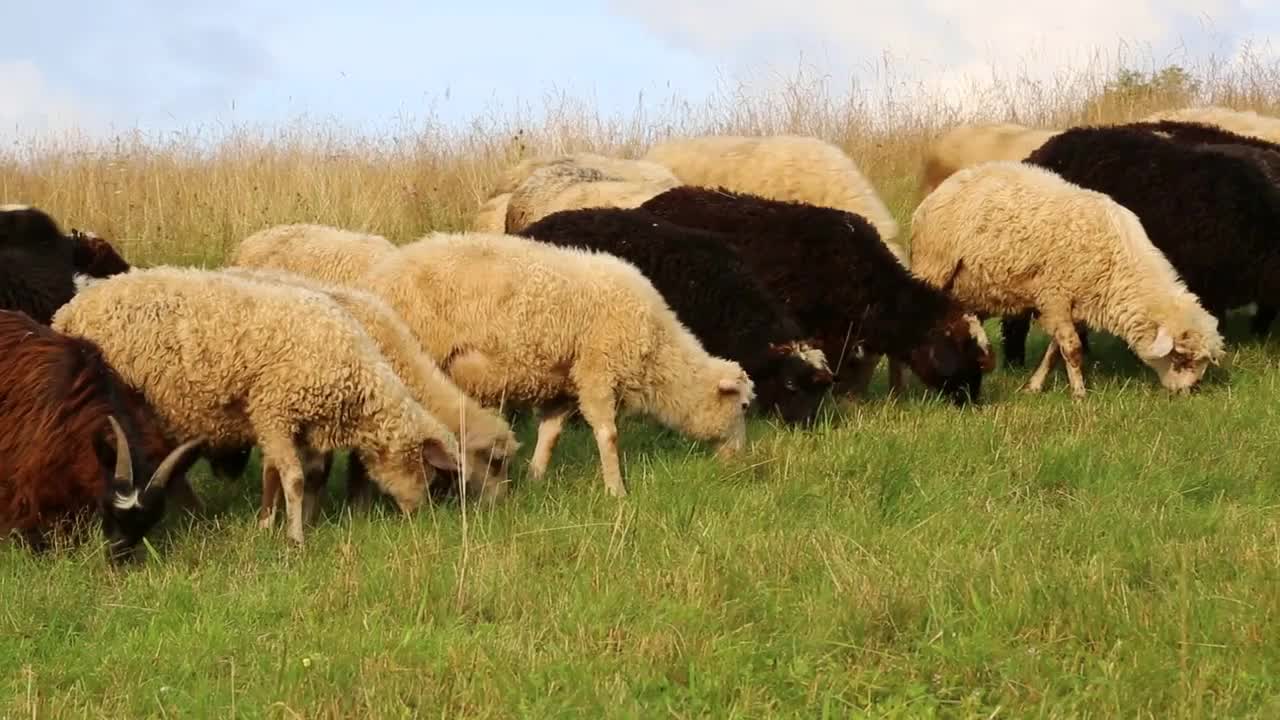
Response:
column 1213, row 214
column 713, row 293
column 842, row 284
column 37, row 263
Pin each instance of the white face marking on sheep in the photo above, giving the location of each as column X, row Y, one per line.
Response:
column 977, row 332
column 83, row 281
column 126, row 502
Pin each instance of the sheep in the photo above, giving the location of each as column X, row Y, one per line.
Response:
column 241, row 362
column 94, row 257
column 1179, row 192
column 566, row 186
column 514, row 319
column 780, row 167
column 966, row 145
column 484, row 435
column 37, row 262
column 642, row 171
column 492, row 215
column 320, row 252
column 1241, row 122
column 714, row 294
column 1012, row 236
column 844, row 286
column 75, row 439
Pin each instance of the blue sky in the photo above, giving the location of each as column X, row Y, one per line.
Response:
column 176, row 64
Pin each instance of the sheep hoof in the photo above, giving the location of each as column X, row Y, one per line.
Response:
column 617, row 491
column 265, row 522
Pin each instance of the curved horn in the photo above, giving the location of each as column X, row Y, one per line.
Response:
column 124, row 458
column 161, row 476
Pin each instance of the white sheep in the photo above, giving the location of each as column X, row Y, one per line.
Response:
column 244, row 363
column 1241, row 122
column 518, row 321
column 1023, row 238
column 616, row 168
column 793, row 168
column 320, row 252
column 967, row 145
column 492, row 215
column 567, row 186
column 484, row 435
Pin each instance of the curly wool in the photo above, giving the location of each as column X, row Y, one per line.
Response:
column 484, row 435
column 518, row 321
column 780, row 167
column 1030, row 240
column 242, row 362
column 568, row 186
column 321, row 252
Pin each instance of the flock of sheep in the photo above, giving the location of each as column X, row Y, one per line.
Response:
column 714, row 277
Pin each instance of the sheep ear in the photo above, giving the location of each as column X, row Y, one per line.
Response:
column 1162, row 345
column 951, row 281
column 438, row 456
column 728, row 386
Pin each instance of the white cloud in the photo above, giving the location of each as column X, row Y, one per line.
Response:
column 29, row 106
column 949, row 45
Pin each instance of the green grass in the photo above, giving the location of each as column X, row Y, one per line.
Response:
column 1032, row 557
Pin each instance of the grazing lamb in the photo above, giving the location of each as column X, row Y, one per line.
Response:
column 1011, row 237
column 967, row 145
column 320, row 252
column 713, row 293
column 1242, row 122
column 565, row 186
column 844, row 286
column 526, row 322
column 1181, row 194
column 75, row 440
column 484, row 435
column 780, row 167
column 241, row 362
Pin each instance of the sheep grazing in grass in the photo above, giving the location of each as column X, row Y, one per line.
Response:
column 320, row 252
column 1241, row 122
column 714, row 294
column 615, row 168
column 844, row 286
column 1181, row 193
column 780, row 167
column 75, row 440
column 515, row 320
column 485, row 436
column 967, row 145
column 568, row 186
column 1011, row 237
column 241, row 363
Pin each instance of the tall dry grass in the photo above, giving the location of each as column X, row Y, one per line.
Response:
column 188, row 198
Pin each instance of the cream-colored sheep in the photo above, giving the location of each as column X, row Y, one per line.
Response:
column 792, row 168
column 1240, row 122
column 565, row 186
column 515, row 320
column 492, row 215
column 967, row 145
column 242, row 363
column 320, row 252
column 1024, row 238
column 484, row 435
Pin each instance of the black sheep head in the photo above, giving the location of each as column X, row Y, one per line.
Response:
column 792, row 379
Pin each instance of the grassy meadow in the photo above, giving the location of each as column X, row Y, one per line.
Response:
column 1032, row 556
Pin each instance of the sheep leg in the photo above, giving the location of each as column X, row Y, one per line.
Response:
column 858, row 379
column 1013, row 332
column 1036, row 384
column 1262, row 319
column 281, row 453
column 897, row 376
column 599, row 409
column 359, row 487
column 272, row 494
column 1056, row 320
column 315, row 472
column 550, row 425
